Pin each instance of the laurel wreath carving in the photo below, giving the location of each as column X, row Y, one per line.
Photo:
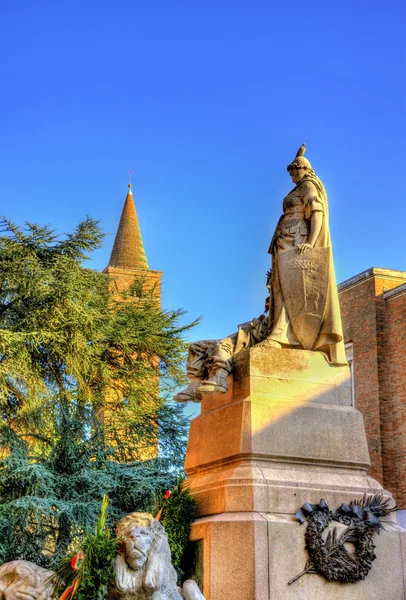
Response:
column 330, row 557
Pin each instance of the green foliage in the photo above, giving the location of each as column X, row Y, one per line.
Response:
column 48, row 502
column 62, row 334
column 80, row 402
column 176, row 514
column 94, row 569
column 86, row 575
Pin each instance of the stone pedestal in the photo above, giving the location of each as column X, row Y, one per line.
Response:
column 285, row 433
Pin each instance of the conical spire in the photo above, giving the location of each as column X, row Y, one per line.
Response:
column 128, row 250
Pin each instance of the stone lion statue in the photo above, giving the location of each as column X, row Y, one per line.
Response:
column 23, row 580
column 143, row 568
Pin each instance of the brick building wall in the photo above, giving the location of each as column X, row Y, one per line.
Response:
column 395, row 461
column 374, row 316
column 122, row 279
column 128, row 262
column 358, row 314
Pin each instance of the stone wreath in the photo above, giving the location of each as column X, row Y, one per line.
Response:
column 330, row 558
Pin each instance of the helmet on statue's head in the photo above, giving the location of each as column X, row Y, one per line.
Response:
column 300, row 162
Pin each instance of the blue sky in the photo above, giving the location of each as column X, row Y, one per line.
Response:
column 207, row 102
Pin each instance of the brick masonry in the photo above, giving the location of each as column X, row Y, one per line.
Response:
column 128, row 262
column 396, row 351
column 128, row 265
column 122, row 279
column 373, row 308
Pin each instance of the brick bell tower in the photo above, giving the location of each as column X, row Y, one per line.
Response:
column 128, row 262
column 128, row 265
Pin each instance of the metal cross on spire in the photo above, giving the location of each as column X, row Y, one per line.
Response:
column 130, row 176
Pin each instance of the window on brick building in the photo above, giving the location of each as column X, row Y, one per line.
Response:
column 349, row 353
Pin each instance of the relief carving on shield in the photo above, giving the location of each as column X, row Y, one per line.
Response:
column 304, row 281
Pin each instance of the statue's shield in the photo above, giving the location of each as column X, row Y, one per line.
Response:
column 304, row 280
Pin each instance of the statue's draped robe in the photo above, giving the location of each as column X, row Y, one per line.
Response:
column 293, row 229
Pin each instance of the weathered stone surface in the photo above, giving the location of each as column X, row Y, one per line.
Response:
column 276, row 394
column 253, row 556
column 291, row 364
column 385, row 581
column 23, row 580
column 235, row 548
column 143, row 568
column 259, row 452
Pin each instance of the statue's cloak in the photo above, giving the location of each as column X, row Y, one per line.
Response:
column 316, row 321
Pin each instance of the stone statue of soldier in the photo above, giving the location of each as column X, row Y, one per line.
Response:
column 303, row 301
column 211, row 361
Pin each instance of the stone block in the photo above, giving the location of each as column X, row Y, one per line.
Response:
column 236, row 564
column 283, row 404
column 287, row 558
column 284, row 434
column 253, row 556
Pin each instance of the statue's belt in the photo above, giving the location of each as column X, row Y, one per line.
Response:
column 287, row 222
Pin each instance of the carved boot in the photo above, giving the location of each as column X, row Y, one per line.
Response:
column 269, row 343
column 190, row 394
column 217, row 383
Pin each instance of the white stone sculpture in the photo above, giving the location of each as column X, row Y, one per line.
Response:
column 23, row 580
column 143, row 568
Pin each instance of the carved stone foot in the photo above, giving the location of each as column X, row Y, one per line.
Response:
column 190, row 394
column 269, row 343
column 217, row 383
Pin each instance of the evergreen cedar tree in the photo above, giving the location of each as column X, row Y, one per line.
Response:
column 79, row 399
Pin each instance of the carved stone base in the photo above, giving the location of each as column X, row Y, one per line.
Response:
column 284, row 434
column 252, row 556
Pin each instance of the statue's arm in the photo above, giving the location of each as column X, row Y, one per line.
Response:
column 315, row 227
column 314, row 210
